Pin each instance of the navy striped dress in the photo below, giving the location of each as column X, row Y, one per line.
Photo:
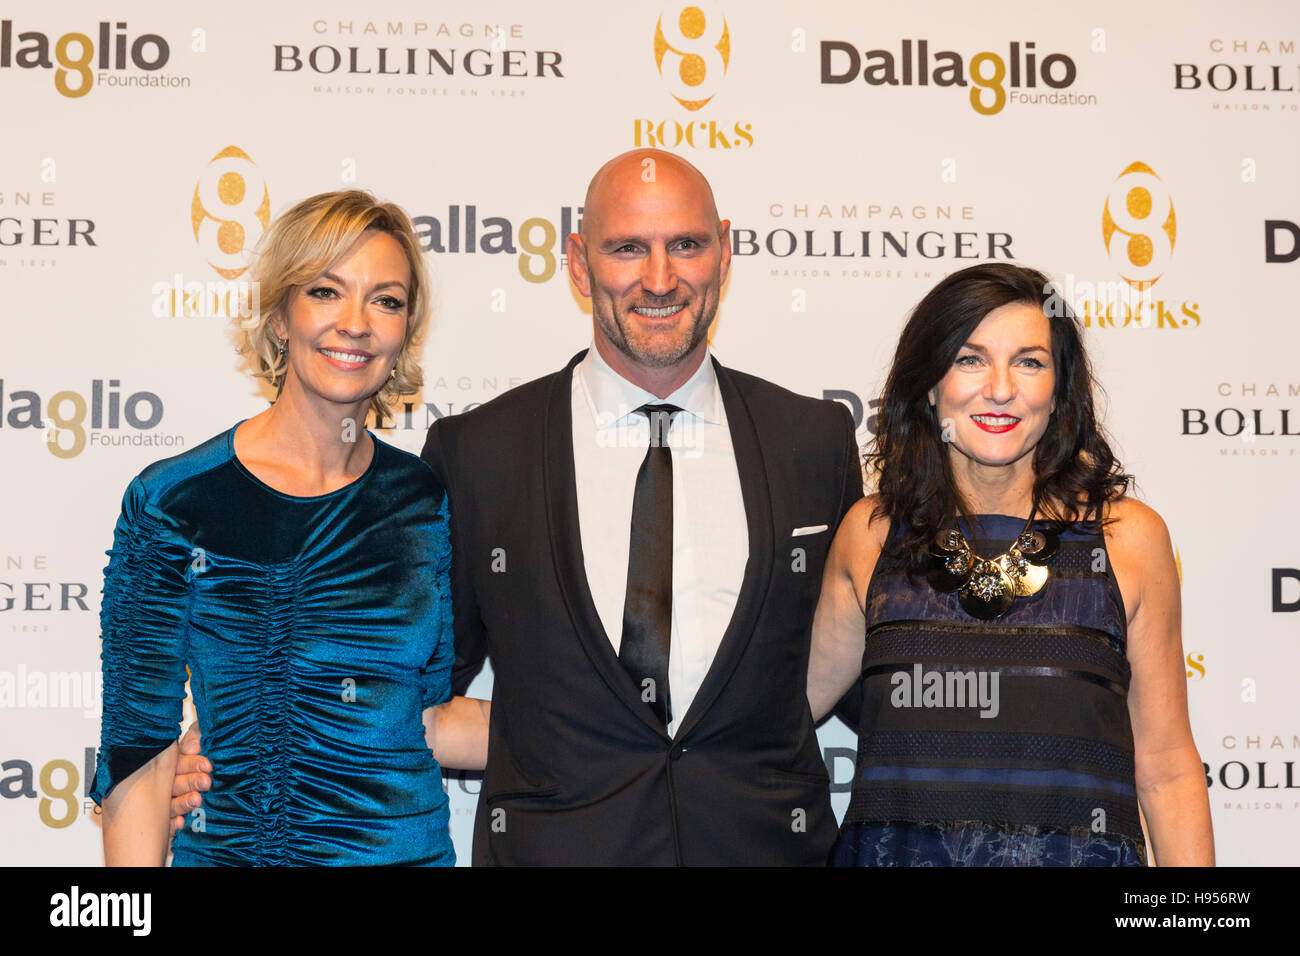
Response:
column 995, row 743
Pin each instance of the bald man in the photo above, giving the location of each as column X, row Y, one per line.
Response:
column 638, row 546
column 638, row 542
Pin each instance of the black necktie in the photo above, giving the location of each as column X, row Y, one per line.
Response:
column 648, row 607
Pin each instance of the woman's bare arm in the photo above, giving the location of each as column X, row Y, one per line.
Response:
column 839, row 635
column 137, row 830
column 1170, row 779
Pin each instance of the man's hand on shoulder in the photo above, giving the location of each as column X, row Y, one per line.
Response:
column 192, row 778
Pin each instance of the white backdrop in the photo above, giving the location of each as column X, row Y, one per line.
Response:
column 157, row 163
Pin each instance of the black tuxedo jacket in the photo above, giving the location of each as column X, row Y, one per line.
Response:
column 578, row 771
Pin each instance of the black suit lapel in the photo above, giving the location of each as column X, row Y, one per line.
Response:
column 561, row 493
column 758, row 569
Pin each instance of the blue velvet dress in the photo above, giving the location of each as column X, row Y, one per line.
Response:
column 996, row 743
column 315, row 631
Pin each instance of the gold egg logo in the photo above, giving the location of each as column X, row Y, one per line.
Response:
column 230, row 210
column 692, row 49
column 1138, row 226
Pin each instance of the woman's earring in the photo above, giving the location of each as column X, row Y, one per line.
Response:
column 283, row 343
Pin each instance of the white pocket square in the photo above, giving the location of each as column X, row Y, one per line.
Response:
column 811, row 529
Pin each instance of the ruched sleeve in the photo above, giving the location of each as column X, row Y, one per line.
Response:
column 143, row 627
column 436, row 674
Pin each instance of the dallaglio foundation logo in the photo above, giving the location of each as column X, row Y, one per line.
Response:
column 1286, row 590
column 1247, row 419
column 414, row 59
column 821, row 238
column 115, row 58
column 536, row 243
column 1024, row 76
column 1281, row 241
column 865, row 414
column 692, row 53
column 58, row 788
column 1243, row 74
column 67, row 421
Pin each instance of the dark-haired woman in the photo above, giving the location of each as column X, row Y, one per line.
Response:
column 1013, row 614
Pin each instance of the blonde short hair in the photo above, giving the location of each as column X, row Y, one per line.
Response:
column 304, row 242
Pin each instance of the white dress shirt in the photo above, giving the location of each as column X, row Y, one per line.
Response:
column 710, row 533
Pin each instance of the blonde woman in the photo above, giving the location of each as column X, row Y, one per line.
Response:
column 298, row 567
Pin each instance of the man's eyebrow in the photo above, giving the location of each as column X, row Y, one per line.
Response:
column 613, row 242
column 702, row 236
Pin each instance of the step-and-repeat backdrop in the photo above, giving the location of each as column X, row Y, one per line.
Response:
column 1144, row 155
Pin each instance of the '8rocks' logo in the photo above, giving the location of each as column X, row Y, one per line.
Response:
column 1138, row 225
column 1138, row 228
column 230, row 210
column 692, row 49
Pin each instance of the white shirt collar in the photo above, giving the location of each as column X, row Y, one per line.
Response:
column 612, row 398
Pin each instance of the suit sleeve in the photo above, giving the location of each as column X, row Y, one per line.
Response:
column 849, row 708
column 467, row 621
column 850, row 465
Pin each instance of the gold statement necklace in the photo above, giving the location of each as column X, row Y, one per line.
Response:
column 987, row 586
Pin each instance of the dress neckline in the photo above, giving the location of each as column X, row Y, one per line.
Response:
column 247, row 473
column 994, row 518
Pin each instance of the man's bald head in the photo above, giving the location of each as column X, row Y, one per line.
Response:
column 645, row 172
column 653, row 257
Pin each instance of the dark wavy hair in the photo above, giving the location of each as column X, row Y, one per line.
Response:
column 1075, row 471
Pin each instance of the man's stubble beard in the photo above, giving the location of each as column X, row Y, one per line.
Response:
column 616, row 333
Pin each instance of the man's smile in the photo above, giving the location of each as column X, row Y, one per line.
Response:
column 662, row 313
